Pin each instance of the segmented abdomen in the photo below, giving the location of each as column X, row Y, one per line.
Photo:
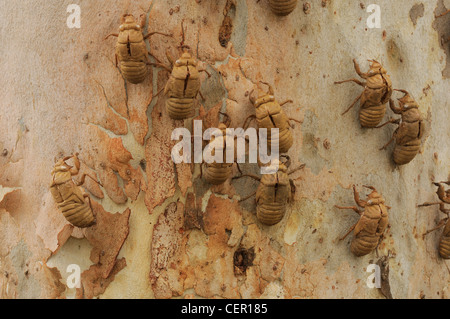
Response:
column 180, row 109
column 444, row 244
column 134, row 72
column 444, row 247
column 372, row 116
column 282, row 7
column 270, row 213
column 403, row 154
column 78, row 214
column 364, row 244
column 217, row 174
column 75, row 209
column 285, row 140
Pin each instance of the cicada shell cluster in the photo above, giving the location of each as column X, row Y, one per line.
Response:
column 69, row 196
column 377, row 92
column 444, row 197
column 269, row 114
column 217, row 173
column 409, row 134
column 131, row 50
column 282, row 7
column 371, row 225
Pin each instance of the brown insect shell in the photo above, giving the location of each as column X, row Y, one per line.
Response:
column 376, row 94
column 272, row 196
column 409, row 133
column 411, row 125
column 131, row 51
column 69, row 197
column 269, row 114
column 282, row 7
column 370, row 226
column 218, row 173
column 182, row 87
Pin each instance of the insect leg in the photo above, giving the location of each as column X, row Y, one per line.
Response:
column 297, row 169
column 152, row 33
column 351, row 80
column 396, row 110
column 393, row 121
column 160, row 65
column 112, row 35
column 350, row 207
column 443, row 14
column 295, row 120
column 245, row 122
column 204, row 70
column 83, row 178
column 359, row 202
column 170, row 58
column 143, row 19
column 68, row 158
column 441, row 224
column 358, row 70
column 286, row 102
column 349, row 231
column 154, row 57
column 353, row 104
column 201, row 95
column 271, row 91
column 387, row 144
column 162, row 89
column 428, row 204
column 244, row 199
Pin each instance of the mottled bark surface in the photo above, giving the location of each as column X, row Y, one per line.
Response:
column 162, row 232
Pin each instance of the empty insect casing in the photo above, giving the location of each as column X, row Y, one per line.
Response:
column 409, row 134
column 371, row 225
column 182, row 87
column 272, row 196
column 131, row 50
column 377, row 92
column 69, row 197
